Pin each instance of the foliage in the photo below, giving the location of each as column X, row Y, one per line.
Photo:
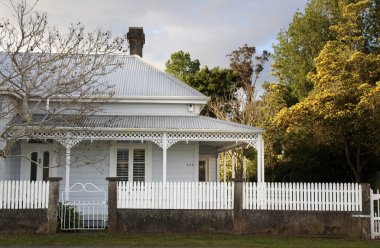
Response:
column 340, row 112
column 307, row 34
column 217, row 83
column 181, row 66
column 69, row 216
column 303, row 40
column 220, row 85
column 242, row 62
column 231, row 91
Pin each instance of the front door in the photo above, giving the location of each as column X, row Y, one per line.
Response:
column 36, row 162
column 203, row 170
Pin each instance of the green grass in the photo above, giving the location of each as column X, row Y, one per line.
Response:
column 176, row 240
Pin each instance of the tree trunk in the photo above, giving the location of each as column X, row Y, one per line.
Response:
column 357, row 167
column 24, row 110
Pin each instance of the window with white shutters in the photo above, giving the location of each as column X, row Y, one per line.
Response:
column 139, row 165
column 122, row 163
column 131, row 163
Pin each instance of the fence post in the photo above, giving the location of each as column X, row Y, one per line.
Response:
column 112, row 204
column 238, row 205
column 366, row 211
column 52, row 211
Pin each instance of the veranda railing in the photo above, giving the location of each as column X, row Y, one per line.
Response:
column 175, row 195
column 303, row 196
column 24, row 194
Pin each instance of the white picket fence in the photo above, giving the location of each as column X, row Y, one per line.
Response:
column 303, row 196
column 24, row 194
column 175, row 195
column 375, row 215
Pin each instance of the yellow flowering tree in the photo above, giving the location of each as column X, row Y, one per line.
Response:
column 343, row 108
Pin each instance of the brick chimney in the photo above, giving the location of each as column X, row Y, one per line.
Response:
column 136, row 40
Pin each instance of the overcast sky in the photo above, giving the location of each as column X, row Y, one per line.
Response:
column 208, row 29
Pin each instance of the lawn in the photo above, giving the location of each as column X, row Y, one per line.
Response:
column 167, row 240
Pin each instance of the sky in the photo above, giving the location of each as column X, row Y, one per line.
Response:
column 207, row 29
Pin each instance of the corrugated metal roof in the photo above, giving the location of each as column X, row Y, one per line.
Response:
column 157, row 123
column 135, row 78
column 139, row 78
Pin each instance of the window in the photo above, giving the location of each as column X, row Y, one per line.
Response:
column 122, row 163
column 45, row 171
column 137, row 158
column 33, row 166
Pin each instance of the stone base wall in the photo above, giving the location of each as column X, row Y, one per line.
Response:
column 305, row 223
column 253, row 222
column 238, row 220
column 42, row 221
column 23, row 221
column 174, row 221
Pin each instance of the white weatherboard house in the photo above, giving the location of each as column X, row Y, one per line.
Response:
column 150, row 130
column 158, row 153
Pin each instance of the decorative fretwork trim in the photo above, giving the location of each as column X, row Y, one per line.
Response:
column 252, row 143
column 69, row 141
column 160, row 143
column 71, row 138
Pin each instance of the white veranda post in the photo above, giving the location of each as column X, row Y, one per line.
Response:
column 67, row 181
column 68, row 143
column 233, row 164
column 218, row 167
column 260, row 159
column 164, row 156
column 225, row 167
column 244, row 168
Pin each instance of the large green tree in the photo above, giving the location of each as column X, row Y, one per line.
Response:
column 218, row 83
column 181, row 66
column 301, row 42
column 340, row 112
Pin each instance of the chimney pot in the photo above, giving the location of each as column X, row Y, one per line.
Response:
column 136, row 40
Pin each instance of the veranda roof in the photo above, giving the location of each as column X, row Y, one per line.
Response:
column 141, row 123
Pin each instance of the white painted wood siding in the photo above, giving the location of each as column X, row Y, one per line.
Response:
column 182, row 162
column 90, row 164
column 12, row 165
column 147, row 109
column 125, row 108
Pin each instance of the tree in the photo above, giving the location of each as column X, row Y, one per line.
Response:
column 338, row 112
column 232, row 91
column 242, row 62
column 248, row 66
column 49, row 72
column 218, row 83
column 181, row 66
column 302, row 41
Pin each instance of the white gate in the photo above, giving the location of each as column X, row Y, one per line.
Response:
column 83, row 214
column 375, row 215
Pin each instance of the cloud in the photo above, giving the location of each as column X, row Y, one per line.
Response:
column 208, row 29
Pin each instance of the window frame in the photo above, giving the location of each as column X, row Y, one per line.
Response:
column 148, row 159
